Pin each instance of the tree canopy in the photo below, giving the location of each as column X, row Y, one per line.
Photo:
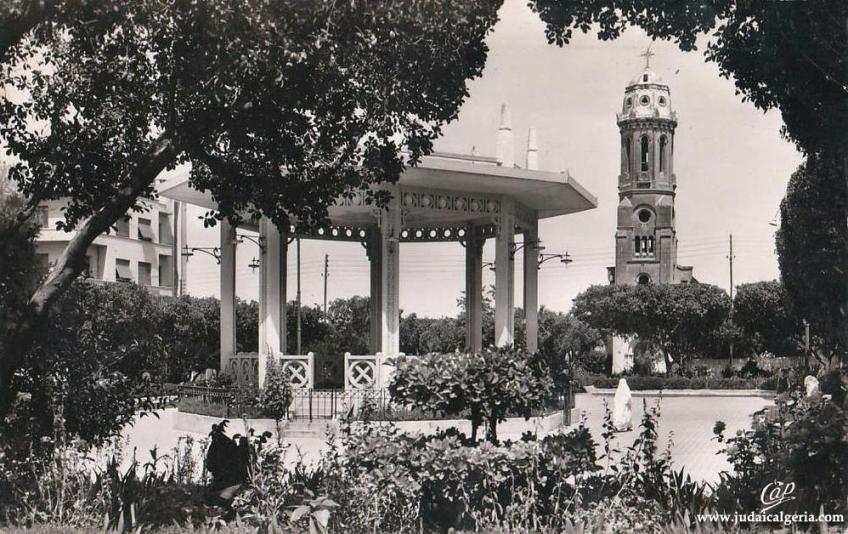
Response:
column 681, row 319
column 812, row 247
column 763, row 312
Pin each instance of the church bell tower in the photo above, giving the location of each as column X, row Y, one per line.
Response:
column 645, row 238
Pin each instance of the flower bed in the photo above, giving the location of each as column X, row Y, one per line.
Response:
column 637, row 383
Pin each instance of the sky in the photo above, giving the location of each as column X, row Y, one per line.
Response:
column 731, row 163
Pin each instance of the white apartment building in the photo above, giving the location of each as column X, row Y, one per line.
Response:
column 142, row 248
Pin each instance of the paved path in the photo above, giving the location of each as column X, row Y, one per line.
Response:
column 150, row 431
column 690, row 420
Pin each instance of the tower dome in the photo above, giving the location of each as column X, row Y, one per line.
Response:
column 646, row 96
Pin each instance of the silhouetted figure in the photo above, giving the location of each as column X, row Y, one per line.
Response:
column 227, row 461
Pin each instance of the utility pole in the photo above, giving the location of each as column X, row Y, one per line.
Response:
column 730, row 258
column 298, row 297
column 326, row 275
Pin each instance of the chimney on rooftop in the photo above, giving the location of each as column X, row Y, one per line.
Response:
column 532, row 162
column 505, row 152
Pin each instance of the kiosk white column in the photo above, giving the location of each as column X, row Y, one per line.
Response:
column 505, row 275
column 390, row 226
column 531, row 286
column 473, row 288
column 272, row 293
column 228, row 292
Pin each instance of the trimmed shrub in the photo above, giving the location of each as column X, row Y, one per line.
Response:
column 488, row 385
column 637, row 383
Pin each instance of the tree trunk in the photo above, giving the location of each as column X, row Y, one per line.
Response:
column 492, row 431
column 73, row 260
column 475, row 423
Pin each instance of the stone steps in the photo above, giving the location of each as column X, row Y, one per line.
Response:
column 304, row 429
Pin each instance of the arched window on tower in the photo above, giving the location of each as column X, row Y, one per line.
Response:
column 663, row 143
column 627, row 154
column 644, row 152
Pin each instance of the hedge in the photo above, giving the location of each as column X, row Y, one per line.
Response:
column 679, row 382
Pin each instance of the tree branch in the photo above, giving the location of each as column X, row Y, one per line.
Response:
column 72, row 261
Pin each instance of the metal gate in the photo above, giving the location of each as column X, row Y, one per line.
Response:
column 316, row 404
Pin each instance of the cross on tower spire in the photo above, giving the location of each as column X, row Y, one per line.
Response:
column 647, row 55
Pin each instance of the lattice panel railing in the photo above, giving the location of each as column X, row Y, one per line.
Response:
column 362, row 371
column 300, row 369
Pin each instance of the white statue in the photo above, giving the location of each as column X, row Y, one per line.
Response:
column 622, row 410
column 811, row 384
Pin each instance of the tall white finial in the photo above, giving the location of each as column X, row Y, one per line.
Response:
column 532, row 162
column 505, row 152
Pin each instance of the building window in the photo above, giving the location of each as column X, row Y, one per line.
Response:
column 644, row 77
column 165, row 233
column 166, row 271
column 145, row 231
column 145, row 274
column 661, row 100
column 663, row 142
column 651, row 245
column 627, row 144
column 122, row 227
column 628, row 102
column 643, row 279
column 645, row 100
column 646, row 146
column 644, row 215
column 122, row 270
column 43, row 213
column 637, row 245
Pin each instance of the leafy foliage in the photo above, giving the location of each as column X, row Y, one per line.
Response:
column 762, row 311
column 680, row 319
column 812, row 247
column 276, row 395
column 637, row 383
column 322, row 91
column 803, row 441
column 566, row 342
column 19, row 270
column 488, row 385
column 191, row 325
column 93, row 360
